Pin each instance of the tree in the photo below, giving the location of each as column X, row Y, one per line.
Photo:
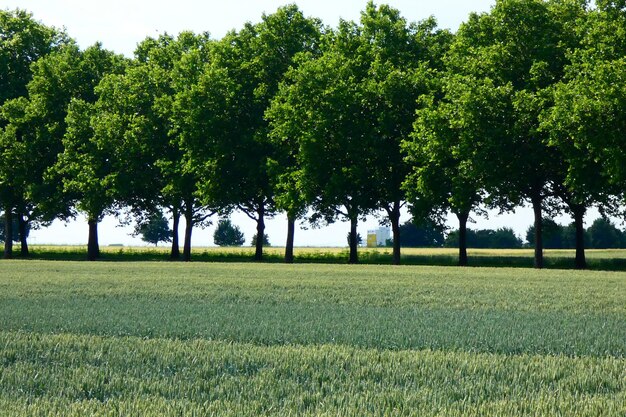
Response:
column 283, row 166
column 139, row 105
column 243, row 77
column 503, row 238
column 35, row 129
column 604, row 235
column 403, row 58
column 520, row 46
column 266, row 240
column 93, row 168
column 425, row 233
column 442, row 151
column 348, row 111
column 154, row 229
column 358, row 239
column 554, row 235
column 24, row 41
column 227, row 234
column 321, row 108
column 586, row 122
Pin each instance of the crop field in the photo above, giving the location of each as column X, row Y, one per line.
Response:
column 243, row 339
column 599, row 259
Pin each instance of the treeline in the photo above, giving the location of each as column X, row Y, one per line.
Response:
column 602, row 234
column 523, row 104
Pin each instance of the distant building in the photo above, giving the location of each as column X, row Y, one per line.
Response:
column 378, row 237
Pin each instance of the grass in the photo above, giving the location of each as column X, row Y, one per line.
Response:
column 157, row 338
column 598, row 259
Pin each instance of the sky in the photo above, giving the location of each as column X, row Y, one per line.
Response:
column 120, row 25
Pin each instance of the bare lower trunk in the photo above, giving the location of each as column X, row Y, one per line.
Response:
column 188, row 230
column 23, row 228
column 394, row 218
column 579, row 214
column 354, row 255
column 175, row 251
column 536, row 202
column 291, row 229
column 93, row 248
column 463, row 261
column 8, row 233
column 260, row 234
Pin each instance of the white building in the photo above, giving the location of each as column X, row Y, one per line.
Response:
column 378, row 237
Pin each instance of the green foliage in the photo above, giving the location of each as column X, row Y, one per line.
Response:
column 266, row 240
column 422, row 234
column 24, row 40
column 604, row 235
column 503, row 238
column 227, row 234
column 359, row 238
column 154, row 229
column 525, row 102
column 554, row 235
column 92, row 164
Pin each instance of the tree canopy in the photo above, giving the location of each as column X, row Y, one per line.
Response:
column 522, row 105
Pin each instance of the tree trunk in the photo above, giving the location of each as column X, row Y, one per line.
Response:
column 93, row 248
column 8, row 233
column 394, row 218
column 536, row 202
column 291, row 229
column 462, row 238
column 175, row 251
column 260, row 233
column 188, row 230
column 354, row 256
column 23, row 224
column 579, row 214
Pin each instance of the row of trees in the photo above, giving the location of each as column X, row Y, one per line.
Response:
column 522, row 104
column 602, row 234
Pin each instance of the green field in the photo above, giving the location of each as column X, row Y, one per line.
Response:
column 159, row 338
column 598, row 259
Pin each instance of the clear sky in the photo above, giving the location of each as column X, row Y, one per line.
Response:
column 120, row 25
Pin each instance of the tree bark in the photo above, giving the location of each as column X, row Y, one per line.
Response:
column 463, row 238
column 188, row 230
column 291, row 229
column 354, row 255
column 394, row 218
column 579, row 214
column 93, row 248
column 8, row 233
column 536, row 202
column 23, row 224
column 175, row 251
column 260, row 233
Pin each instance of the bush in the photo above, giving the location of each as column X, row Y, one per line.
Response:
column 503, row 238
column 266, row 240
column 227, row 234
column 154, row 230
